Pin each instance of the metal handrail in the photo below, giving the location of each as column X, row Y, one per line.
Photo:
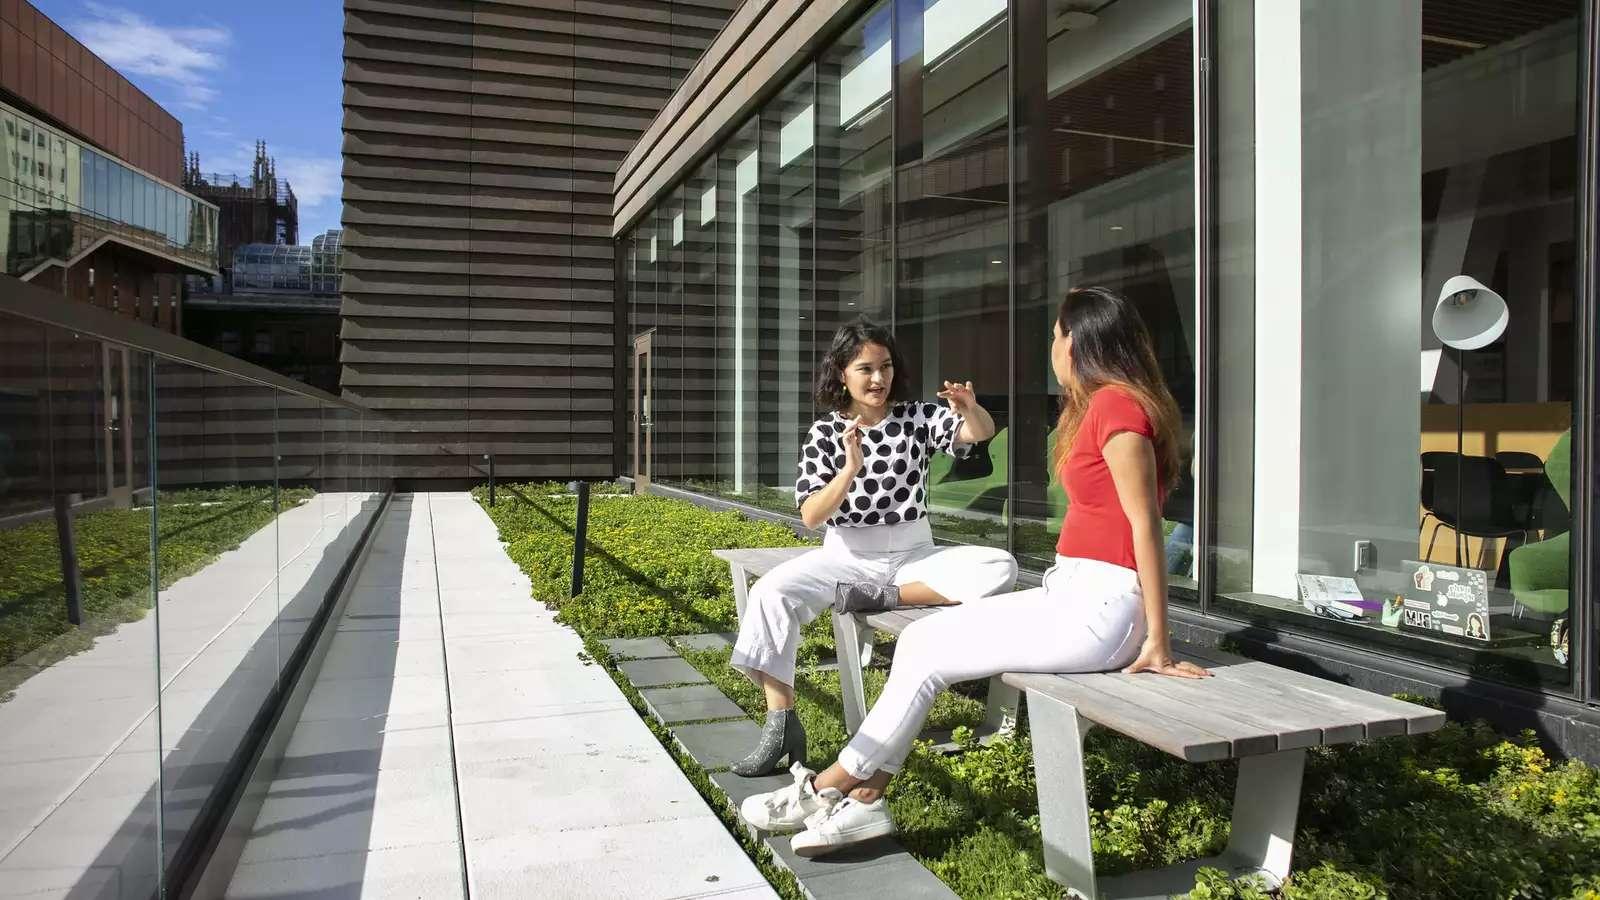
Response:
column 36, row 304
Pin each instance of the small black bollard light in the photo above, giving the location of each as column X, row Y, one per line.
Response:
column 580, row 535
column 490, row 458
column 68, row 543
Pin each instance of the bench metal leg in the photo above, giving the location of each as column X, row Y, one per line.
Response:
column 741, row 589
column 852, row 643
column 1058, row 733
column 1266, row 804
column 1000, row 714
column 1265, row 807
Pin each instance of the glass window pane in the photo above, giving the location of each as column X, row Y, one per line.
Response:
column 952, row 276
column 1444, row 248
column 739, row 268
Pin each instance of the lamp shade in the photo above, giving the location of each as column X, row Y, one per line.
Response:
column 1469, row 315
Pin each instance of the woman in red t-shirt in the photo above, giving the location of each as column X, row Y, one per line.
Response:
column 1103, row 605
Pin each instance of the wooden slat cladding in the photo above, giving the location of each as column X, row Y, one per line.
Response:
column 481, row 142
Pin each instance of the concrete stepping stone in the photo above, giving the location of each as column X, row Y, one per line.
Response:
column 640, row 648
column 720, row 641
column 656, row 672
column 839, row 876
column 718, row 745
column 689, row 704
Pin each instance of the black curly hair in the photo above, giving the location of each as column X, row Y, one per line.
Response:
column 832, row 396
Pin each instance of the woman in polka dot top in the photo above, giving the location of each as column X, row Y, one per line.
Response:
column 863, row 472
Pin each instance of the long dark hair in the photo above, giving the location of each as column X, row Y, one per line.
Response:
column 1111, row 347
column 832, row 396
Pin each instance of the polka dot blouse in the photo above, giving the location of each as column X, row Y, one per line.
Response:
column 892, row 486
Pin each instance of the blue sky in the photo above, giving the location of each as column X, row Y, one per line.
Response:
column 234, row 73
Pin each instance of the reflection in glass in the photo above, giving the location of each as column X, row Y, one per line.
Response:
column 1468, row 167
column 783, row 340
column 952, row 291
column 218, row 554
column 739, row 275
column 77, row 643
column 699, row 347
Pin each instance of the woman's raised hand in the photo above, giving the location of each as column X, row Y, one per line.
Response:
column 852, row 445
column 959, row 396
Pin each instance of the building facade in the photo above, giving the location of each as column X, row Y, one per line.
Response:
column 481, row 139
column 260, row 208
column 1311, row 202
column 89, row 168
column 281, row 311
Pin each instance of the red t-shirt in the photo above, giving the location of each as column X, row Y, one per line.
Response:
column 1095, row 526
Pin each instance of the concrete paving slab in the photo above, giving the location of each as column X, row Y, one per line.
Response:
column 534, row 795
column 651, row 860
column 563, row 789
column 640, row 648
column 496, row 696
column 592, row 731
column 689, row 704
column 405, row 873
column 717, row 745
column 656, row 672
column 321, row 814
column 511, row 653
column 714, row 641
column 412, row 696
column 362, row 745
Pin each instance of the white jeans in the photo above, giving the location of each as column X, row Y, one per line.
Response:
column 801, row 589
column 1088, row 617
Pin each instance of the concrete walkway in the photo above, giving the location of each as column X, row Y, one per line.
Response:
column 456, row 745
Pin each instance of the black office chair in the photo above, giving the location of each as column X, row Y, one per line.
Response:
column 1430, row 468
column 1487, row 503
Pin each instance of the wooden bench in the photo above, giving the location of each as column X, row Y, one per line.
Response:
column 1262, row 715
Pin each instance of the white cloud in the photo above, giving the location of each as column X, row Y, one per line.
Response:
column 184, row 58
column 314, row 179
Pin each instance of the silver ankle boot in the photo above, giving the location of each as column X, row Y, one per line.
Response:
column 783, row 735
column 864, row 596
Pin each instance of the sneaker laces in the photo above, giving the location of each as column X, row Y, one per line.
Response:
column 821, row 816
column 785, row 798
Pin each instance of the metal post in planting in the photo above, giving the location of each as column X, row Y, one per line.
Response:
column 580, row 535
column 69, row 559
column 490, row 458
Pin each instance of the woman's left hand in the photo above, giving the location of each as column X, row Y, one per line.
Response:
column 959, row 395
column 1158, row 659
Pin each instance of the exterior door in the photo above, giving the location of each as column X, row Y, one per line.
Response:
column 642, row 424
column 119, row 431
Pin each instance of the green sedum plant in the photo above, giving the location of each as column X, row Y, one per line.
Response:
column 1461, row 813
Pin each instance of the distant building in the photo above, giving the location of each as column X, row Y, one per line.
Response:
column 281, row 311
column 90, row 172
column 260, row 208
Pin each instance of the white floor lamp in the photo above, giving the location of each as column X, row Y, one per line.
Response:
column 1467, row 316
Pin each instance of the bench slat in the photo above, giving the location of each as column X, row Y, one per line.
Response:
column 1149, row 692
column 1342, row 721
column 758, row 561
column 1185, row 741
column 1378, row 708
column 1295, row 728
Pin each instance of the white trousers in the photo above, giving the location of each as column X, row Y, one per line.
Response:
column 798, row 591
column 1088, row 617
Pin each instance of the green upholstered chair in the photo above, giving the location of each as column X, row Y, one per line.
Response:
column 946, row 491
column 1540, row 574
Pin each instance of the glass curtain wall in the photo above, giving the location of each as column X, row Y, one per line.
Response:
column 1417, row 224
column 952, row 234
column 1395, row 194
column 1105, row 175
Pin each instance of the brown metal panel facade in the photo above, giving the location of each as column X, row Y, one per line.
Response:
column 44, row 68
column 481, row 140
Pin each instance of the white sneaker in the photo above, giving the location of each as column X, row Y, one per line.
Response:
column 842, row 824
column 787, row 808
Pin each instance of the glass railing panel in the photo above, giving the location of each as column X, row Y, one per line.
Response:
column 78, row 723
column 311, row 518
column 218, row 506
